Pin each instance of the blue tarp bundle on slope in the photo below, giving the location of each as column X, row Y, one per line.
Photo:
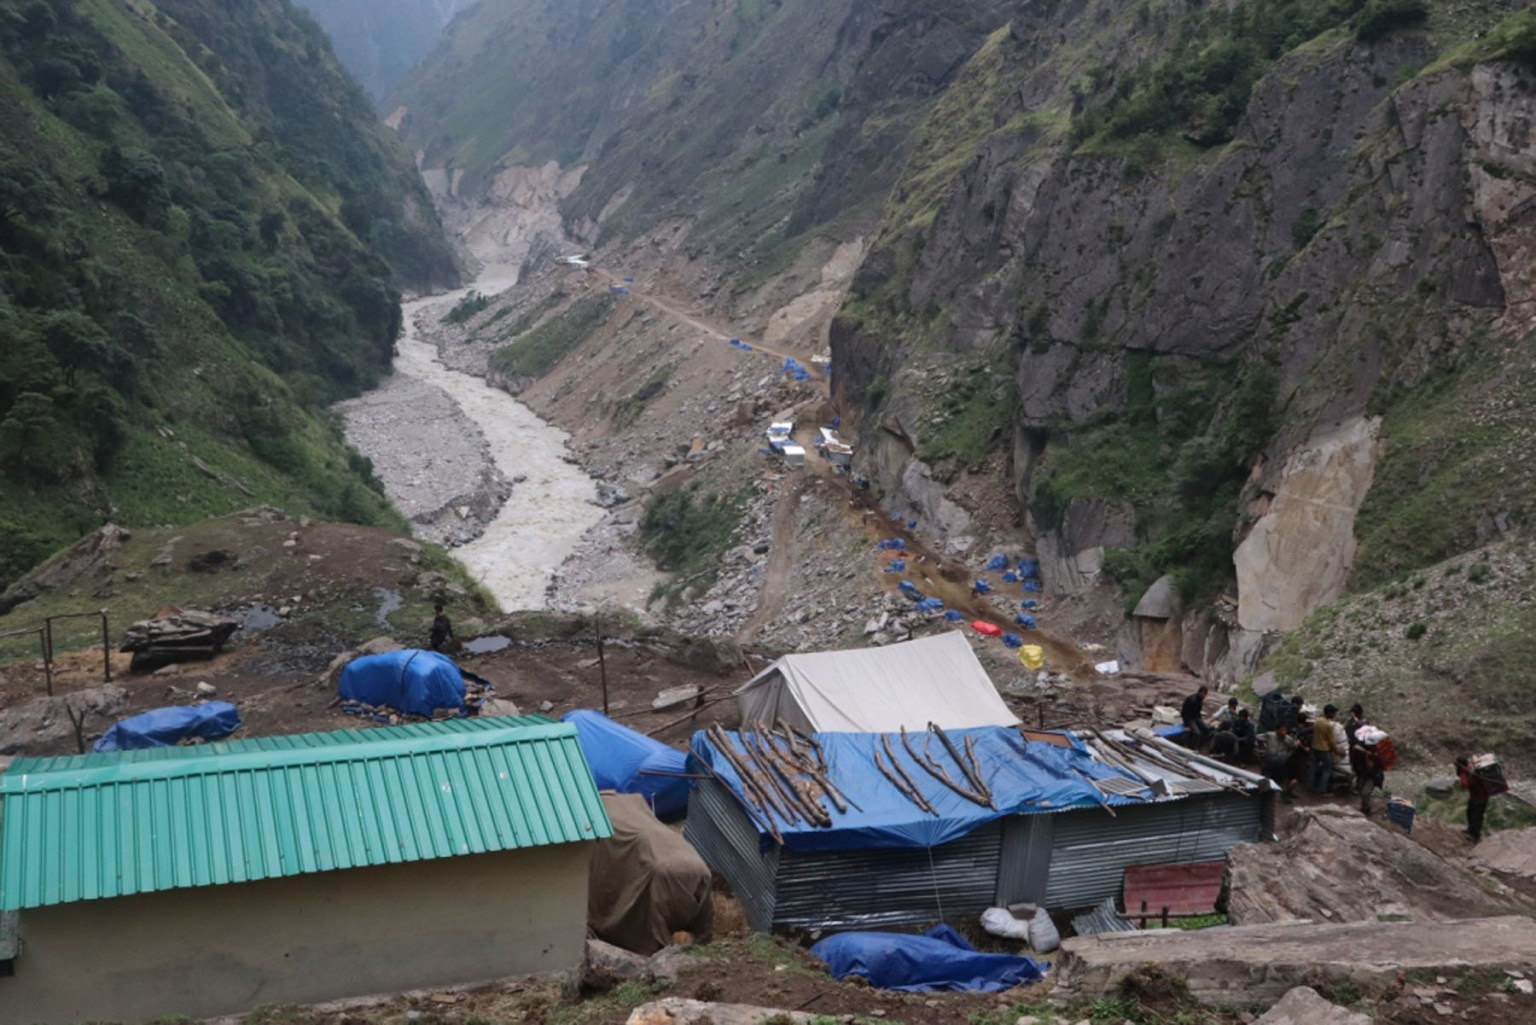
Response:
column 938, row 960
column 414, row 681
column 621, row 760
column 162, row 727
column 1024, row 776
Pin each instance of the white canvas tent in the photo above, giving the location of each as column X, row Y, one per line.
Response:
column 878, row 690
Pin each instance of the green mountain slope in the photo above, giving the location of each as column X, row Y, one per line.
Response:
column 198, row 222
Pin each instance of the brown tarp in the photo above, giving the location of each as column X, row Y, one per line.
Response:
column 646, row 882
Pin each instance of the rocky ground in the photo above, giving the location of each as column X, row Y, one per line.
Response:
column 435, row 463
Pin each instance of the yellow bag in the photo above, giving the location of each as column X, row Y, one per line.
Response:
column 1032, row 655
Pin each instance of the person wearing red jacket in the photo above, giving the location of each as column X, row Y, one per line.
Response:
column 1477, row 798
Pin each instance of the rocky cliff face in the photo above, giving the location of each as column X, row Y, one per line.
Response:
column 1199, row 338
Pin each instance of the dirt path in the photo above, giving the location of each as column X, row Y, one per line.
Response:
column 781, row 559
column 672, row 309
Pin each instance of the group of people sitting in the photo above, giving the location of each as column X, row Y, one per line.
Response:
column 1299, row 747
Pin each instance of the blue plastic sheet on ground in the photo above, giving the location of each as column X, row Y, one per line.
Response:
column 1029, row 603
column 162, row 727
column 1176, row 730
column 1025, row 620
column 981, row 587
column 414, row 681
column 1029, row 568
column 938, row 960
column 953, row 616
column 893, row 544
column 896, row 566
column 907, row 587
column 997, row 562
column 1013, row 640
column 911, row 524
column 1024, row 777
column 931, row 605
column 1032, row 585
column 1010, row 577
column 627, row 761
column 629, row 279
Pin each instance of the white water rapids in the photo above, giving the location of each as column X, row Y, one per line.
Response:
column 549, row 511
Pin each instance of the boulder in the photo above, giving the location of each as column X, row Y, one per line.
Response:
column 177, row 635
column 607, row 963
column 1161, row 600
column 43, row 722
column 1303, row 1006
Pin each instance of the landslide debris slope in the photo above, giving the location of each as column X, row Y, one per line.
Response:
column 203, row 234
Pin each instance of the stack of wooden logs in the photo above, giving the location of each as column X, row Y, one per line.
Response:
column 783, row 773
column 974, row 788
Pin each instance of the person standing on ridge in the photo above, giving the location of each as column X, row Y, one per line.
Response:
column 1478, row 793
column 1321, row 776
column 442, row 629
column 1192, row 713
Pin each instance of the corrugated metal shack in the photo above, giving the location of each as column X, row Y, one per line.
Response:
column 1069, row 815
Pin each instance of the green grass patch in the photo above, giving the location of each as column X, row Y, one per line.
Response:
column 537, row 352
column 973, row 416
column 687, row 530
column 467, row 307
column 634, row 404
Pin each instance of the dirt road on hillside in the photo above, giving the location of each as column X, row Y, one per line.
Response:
column 935, row 574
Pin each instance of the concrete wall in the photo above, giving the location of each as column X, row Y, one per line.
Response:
column 227, row 949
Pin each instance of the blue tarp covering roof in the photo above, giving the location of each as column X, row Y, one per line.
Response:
column 414, row 681
column 938, row 960
column 1024, row 777
column 162, row 727
column 626, row 761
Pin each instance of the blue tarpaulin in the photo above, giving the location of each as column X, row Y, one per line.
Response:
column 1029, row 603
column 938, row 960
column 953, row 616
column 626, row 761
column 893, row 544
column 1026, row 621
column 162, row 727
column 997, row 562
column 981, row 587
column 414, row 681
column 1013, row 640
column 896, row 566
column 1029, row 568
column 931, row 605
column 1024, row 776
column 1032, row 585
column 1010, row 577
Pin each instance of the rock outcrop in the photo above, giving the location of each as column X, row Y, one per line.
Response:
column 177, row 635
column 1338, row 866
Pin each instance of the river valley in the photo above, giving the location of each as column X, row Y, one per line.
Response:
column 445, row 465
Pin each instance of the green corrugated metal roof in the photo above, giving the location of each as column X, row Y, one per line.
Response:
column 109, row 825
